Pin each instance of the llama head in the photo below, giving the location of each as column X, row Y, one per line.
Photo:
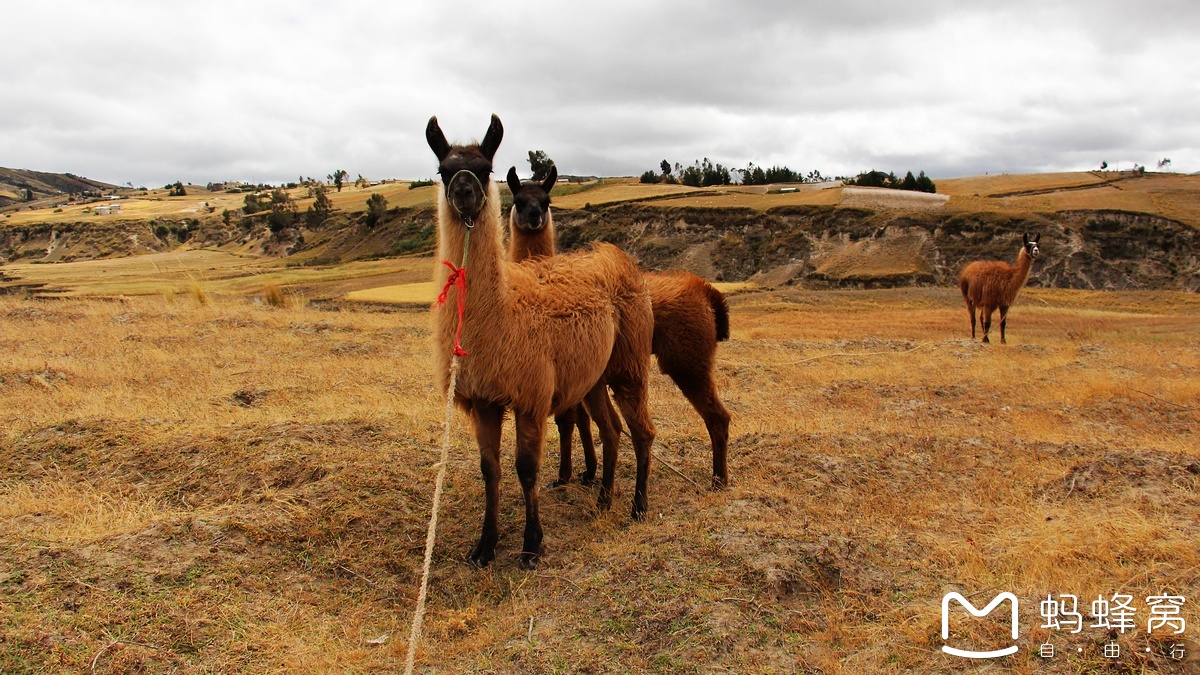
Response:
column 531, row 202
column 1031, row 245
column 465, row 169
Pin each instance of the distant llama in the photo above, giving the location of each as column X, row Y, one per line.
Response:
column 540, row 338
column 993, row 284
column 690, row 318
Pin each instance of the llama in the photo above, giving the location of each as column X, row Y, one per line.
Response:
column 993, row 284
column 539, row 338
column 690, row 318
column 534, row 203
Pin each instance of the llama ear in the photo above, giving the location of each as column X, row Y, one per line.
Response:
column 436, row 139
column 514, row 183
column 1037, row 237
column 491, row 141
column 551, row 179
column 1025, row 239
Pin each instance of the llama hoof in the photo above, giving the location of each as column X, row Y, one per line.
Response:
column 480, row 558
column 719, row 483
column 587, row 479
column 639, row 511
column 985, row 340
column 604, row 501
column 557, row 484
column 529, row 561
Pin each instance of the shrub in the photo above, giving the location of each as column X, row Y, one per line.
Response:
column 419, row 184
column 376, row 209
column 274, row 296
column 321, row 207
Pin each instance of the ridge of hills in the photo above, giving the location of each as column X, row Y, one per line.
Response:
column 1104, row 230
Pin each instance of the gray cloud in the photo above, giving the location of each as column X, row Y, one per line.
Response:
column 151, row 92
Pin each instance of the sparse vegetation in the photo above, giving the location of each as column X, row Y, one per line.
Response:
column 282, row 528
column 420, row 184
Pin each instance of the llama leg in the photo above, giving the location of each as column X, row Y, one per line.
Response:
column 600, row 407
column 566, row 426
column 588, row 477
column 701, row 392
column 985, row 321
column 631, row 399
column 487, row 419
column 1003, row 323
column 971, row 311
column 531, row 435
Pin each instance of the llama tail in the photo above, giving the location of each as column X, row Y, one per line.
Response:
column 720, row 310
column 964, row 284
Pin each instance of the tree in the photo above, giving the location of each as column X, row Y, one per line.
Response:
column 337, row 178
column 227, row 217
column 27, row 196
column 1163, row 163
column 283, row 211
column 253, row 204
column 177, row 190
column 321, row 207
column 376, row 209
column 924, row 184
column 540, row 164
column 362, row 182
column 666, row 168
column 650, row 177
column 1103, row 165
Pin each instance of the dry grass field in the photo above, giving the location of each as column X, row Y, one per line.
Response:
column 237, row 487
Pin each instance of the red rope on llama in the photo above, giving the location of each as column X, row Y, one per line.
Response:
column 458, row 279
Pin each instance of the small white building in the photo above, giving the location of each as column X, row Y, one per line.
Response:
column 106, row 209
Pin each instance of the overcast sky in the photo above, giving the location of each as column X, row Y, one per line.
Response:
column 152, row 92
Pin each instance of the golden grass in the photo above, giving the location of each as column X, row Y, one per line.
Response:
column 219, row 272
column 246, row 488
column 421, row 293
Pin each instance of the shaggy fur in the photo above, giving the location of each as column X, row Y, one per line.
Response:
column 992, row 284
column 690, row 317
column 540, row 337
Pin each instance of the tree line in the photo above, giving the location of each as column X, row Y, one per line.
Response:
column 703, row 173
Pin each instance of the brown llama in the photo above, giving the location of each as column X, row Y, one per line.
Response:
column 993, row 284
column 539, row 337
column 690, row 318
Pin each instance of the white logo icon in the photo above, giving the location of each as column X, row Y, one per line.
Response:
column 977, row 613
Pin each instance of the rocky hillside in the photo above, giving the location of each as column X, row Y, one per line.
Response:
column 813, row 246
column 842, row 247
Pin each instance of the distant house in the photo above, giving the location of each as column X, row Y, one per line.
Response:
column 106, row 209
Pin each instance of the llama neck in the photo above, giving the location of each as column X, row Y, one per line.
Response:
column 1022, row 268
column 524, row 245
column 487, row 283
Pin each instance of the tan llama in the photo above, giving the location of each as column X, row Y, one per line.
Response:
column 690, row 317
column 540, row 339
column 992, row 284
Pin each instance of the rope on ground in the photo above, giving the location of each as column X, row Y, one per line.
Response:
column 457, row 279
column 1177, row 405
column 419, row 614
